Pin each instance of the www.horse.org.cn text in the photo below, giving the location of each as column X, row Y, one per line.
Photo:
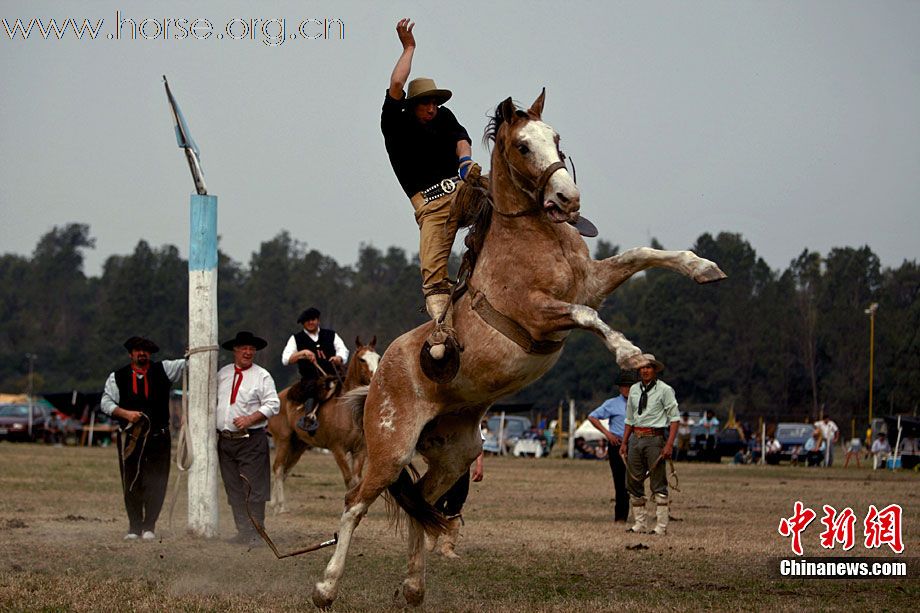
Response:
column 272, row 32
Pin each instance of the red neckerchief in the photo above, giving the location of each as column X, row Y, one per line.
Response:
column 142, row 372
column 237, row 381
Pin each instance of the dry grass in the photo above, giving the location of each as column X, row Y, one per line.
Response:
column 537, row 538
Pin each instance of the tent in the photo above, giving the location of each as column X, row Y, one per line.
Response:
column 588, row 432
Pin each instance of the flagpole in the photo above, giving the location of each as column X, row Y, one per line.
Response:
column 202, row 339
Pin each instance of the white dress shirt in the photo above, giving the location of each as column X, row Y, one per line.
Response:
column 291, row 348
column 111, row 396
column 257, row 393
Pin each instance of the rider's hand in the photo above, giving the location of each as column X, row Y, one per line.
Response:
column 337, row 359
column 468, row 168
column 404, row 31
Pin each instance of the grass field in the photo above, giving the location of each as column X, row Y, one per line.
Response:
column 538, row 537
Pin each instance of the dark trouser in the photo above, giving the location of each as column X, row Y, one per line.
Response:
column 248, row 457
column 451, row 503
column 618, row 470
column 144, row 497
column 643, row 453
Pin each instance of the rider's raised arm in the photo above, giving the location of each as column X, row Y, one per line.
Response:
column 404, row 64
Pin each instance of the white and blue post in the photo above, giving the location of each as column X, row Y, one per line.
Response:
column 202, row 366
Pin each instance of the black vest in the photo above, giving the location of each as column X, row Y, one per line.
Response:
column 324, row 349
column 156, row 407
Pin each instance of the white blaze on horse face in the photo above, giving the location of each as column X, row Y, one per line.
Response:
column 372, row 359
column 541, row 141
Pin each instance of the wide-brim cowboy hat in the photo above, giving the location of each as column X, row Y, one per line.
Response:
column 423, row 87
column 245, row 338
column 139, row 342
column 648, row 358
column 627, row 377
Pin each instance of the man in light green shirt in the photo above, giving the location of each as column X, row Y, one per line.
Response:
column 652, row 420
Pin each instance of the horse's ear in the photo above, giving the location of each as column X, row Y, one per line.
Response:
column 536, row 108
column 357, row 341
column 507, row 110
column 373, row 344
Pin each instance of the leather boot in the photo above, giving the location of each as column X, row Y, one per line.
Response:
column 661, row 512
column 640, row 514
column 436, row 304
column 450, row 540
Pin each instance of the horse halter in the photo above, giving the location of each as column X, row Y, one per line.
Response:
column 537, row 192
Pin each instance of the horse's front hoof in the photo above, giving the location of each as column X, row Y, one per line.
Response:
column 413, row 593
column 709, row 274
column 323, row 597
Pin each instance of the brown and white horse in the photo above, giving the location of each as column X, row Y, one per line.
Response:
column 536, row 271
column 338, row 430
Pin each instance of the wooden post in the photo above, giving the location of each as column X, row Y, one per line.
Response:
column 202, row 366
column 571, row 428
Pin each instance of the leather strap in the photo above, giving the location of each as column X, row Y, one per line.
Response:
column 511, row 329
column 537, row 193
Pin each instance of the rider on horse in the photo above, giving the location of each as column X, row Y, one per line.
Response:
column 431, row 155
column 318, row 352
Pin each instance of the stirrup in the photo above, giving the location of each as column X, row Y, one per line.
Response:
column 446, row 368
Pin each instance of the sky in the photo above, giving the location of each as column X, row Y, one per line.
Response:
column 794, row 124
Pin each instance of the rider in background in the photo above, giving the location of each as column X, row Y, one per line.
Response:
column 430, row 152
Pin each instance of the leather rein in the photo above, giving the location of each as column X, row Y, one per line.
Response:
column 536, row 193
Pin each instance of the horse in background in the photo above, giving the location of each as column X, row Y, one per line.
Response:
column 532, row 283
column 339, row 428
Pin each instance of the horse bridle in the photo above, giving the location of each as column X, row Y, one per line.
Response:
column 539, row 190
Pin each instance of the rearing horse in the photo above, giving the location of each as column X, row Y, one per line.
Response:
column 535, row 271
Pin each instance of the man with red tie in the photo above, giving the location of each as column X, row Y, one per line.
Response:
column 138, row 396
column 246, row 399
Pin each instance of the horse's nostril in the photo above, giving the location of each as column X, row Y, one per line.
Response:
column 562, row 198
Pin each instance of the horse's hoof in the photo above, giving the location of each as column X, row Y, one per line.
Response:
column 414, row 594
column 631, row 362
column 709, row 274
column 322, row 599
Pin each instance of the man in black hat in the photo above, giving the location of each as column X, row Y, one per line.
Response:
column 138, row 396
column 430, row 152
column 317, row 351
column 246, row 399
column 614, row 411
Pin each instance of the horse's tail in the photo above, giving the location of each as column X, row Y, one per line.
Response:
column 353, row 400
column 405, row 494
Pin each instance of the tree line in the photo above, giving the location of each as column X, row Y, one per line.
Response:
column 786, row 344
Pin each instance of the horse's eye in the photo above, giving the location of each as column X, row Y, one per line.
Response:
column 523, row 149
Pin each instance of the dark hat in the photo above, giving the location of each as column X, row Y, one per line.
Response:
column 139, row 342
column 627, row 377
column 311, row 313
column 423, row 87
column 245, row 338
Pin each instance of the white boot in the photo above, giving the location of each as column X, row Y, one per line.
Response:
column 450, row 540
column 662, row 515
column 436, row 304
column 639, row 515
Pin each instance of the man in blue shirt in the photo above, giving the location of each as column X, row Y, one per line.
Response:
column 614, row 410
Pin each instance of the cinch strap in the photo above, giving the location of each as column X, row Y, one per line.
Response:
column 512, row 329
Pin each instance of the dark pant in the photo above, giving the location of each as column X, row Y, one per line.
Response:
column 144, row 496
column 451, row 503
column 247, row 457
column 618, row 470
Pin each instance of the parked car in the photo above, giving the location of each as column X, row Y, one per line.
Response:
column 14, row 422
column 724, row 444
column 515, row 427
column 792, row 437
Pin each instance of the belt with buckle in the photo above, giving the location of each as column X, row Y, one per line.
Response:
column 233, row 434
column 439, row 189
column 640, row 432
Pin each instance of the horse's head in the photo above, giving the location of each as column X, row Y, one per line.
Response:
column 365, row 360
column 527, row 150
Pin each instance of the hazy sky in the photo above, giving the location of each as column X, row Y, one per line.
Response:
column 792, row 123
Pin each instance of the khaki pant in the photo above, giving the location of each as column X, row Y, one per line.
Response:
column 642, row 454
column 437, row 238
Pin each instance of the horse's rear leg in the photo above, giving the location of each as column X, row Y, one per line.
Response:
column 287, row 453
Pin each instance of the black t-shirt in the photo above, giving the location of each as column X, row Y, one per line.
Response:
column 421, row 154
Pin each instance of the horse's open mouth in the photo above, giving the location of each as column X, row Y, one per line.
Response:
column 556, row 214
